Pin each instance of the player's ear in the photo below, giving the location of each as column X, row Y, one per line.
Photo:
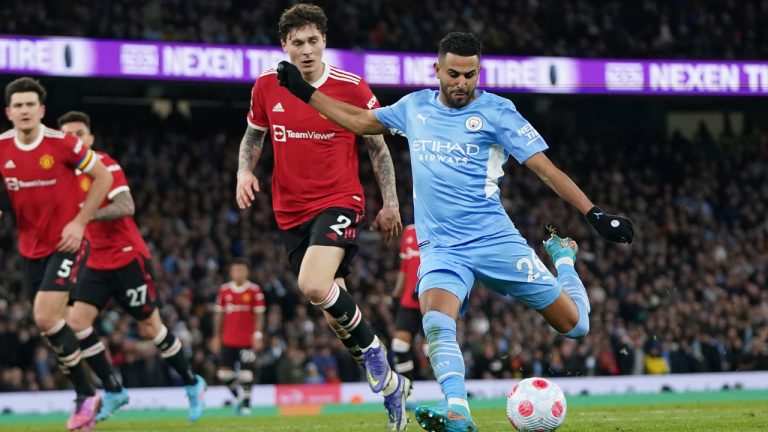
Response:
column 8, row 112
column 437, row 68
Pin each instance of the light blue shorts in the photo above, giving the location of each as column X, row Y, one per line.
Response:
column 503, row 262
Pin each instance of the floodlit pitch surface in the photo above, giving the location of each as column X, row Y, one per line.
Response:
column 722, row 411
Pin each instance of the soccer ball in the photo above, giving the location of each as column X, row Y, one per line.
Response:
column 536, row 405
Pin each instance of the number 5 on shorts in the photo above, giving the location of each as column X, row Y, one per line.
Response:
column 65, row 269
column 138, row 295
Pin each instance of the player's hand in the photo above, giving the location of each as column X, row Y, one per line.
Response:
column 613, row 228
column 388, row 223
column 257, row 344
column 247, row 186
column 71, row 237
column 214, row 344
column 290, row 77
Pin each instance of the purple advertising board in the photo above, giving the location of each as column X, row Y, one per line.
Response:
column 78, row 57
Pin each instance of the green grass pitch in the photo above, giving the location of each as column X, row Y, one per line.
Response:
column 721, row 411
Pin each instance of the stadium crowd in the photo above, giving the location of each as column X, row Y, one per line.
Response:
column 727, row 29
column 688, row 296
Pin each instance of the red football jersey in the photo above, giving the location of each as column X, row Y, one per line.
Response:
column 42, row 185
column 409, row 266
column 114, row 243
column 315, row 159
column 239, row 306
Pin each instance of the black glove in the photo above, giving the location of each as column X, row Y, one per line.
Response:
column 290, row 78
column 617, row 229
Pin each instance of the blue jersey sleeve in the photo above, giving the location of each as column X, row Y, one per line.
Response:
column 517, row 136
column 394, row 116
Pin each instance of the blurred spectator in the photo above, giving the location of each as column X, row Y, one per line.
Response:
column 690, row 293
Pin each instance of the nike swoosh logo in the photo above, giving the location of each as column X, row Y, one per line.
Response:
column 453, row 416
column 373, row 382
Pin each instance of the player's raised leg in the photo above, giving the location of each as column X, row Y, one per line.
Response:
column 171, row 350
column 569, row 313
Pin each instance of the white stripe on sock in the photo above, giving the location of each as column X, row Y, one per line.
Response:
column 84, row 333
column 458, row 401
column 94, row 349
column 170, row 352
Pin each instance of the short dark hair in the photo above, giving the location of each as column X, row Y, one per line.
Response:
column 75, row 116
column 459, row 43
column 299, row 16
column 23, row 85
column 239, row 261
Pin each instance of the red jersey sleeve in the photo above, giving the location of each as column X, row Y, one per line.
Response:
column 76, row 154
column 257, row 115
column 218, row 306
column 259, row 305
column 119, row 183
column 404, row 251
column 365, row 97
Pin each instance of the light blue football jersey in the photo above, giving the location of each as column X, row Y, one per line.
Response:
column 456, row 158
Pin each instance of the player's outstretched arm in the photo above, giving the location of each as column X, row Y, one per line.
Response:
column 359, row 121
column 250, row 152
column 388, row 220
column 617, row 229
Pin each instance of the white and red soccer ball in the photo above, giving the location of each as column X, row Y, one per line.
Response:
column 536, row 405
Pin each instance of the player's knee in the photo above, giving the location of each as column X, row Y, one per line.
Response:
column 314, row 289
column 148, row 329
column 581, row 328
column 435, row 322
column 45, row 322
column 77, row 323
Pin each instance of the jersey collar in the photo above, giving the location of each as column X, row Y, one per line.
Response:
column 324, row 77
column 31, row 146
column 238, row 289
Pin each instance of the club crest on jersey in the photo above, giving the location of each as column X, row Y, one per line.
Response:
column 85, row 184
column 46, row 161
column 278, row 132
column 474, row 123
column 246, row 297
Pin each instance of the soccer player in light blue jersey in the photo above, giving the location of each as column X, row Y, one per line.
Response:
column 459, row 138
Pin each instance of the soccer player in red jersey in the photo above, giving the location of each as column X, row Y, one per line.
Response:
column 316, row 192
column 408, row 317
column 38, row 165
column 238, row 321
column 118, row 267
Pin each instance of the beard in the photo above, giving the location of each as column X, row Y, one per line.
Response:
column 457, row 100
